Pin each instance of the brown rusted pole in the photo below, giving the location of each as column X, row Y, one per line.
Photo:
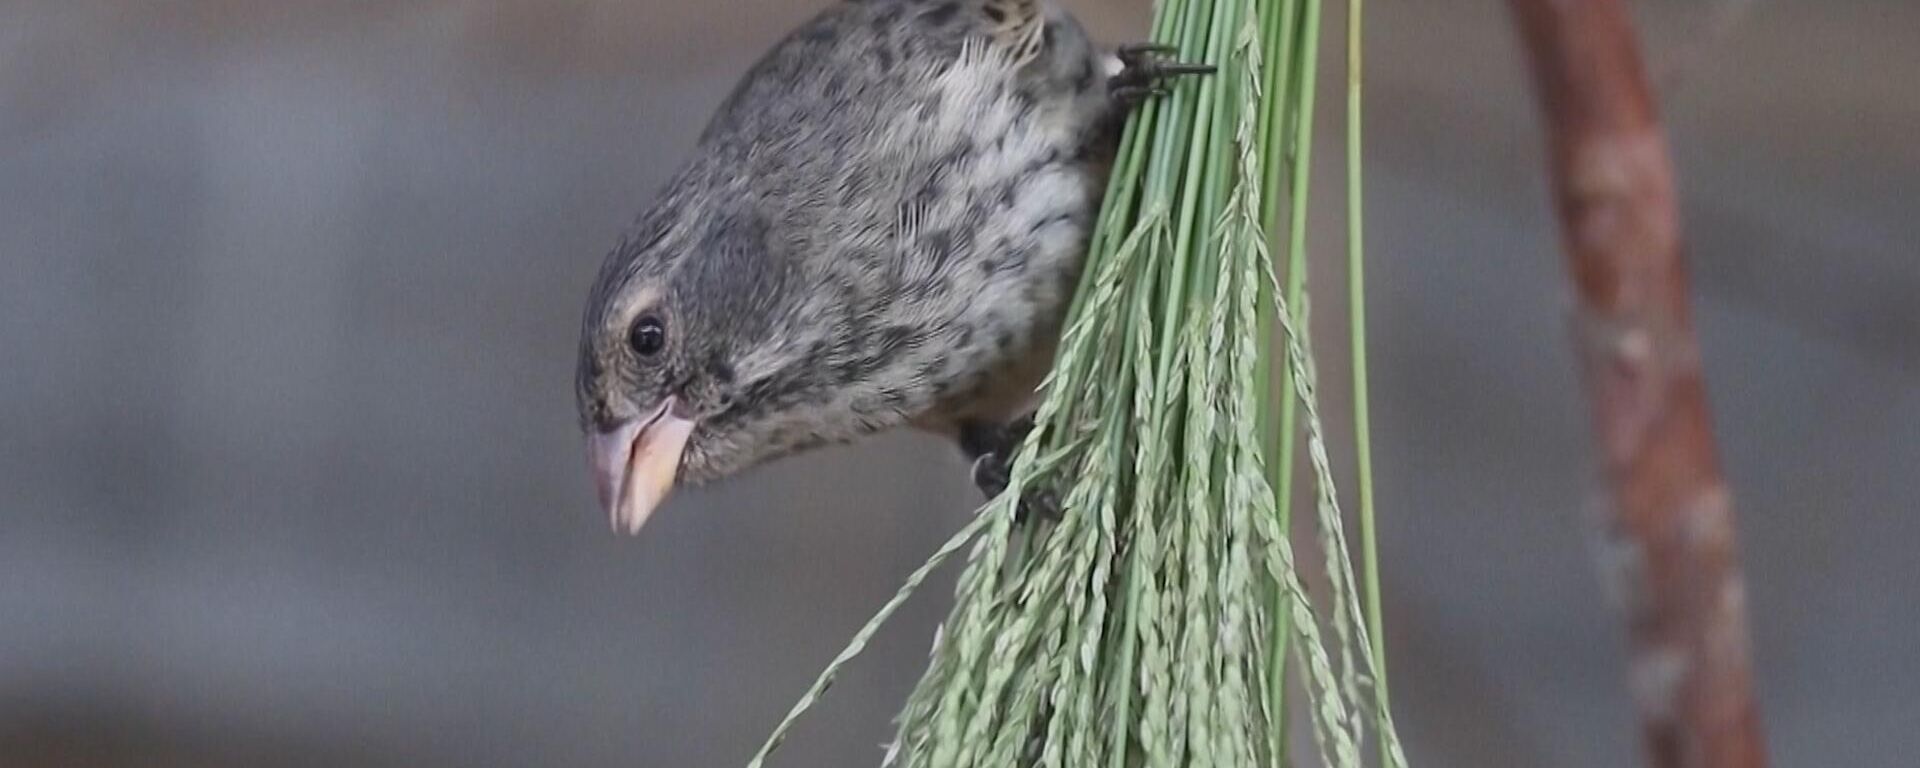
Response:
column 1667, row 536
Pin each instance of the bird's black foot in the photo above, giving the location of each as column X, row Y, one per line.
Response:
column 992, row 448
column 1145, row 69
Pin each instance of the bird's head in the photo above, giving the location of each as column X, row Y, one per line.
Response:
column 677, row 309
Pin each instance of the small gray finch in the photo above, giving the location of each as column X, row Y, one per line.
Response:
column 881, row 227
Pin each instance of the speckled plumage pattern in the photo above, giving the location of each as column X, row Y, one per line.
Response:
column 882, row 225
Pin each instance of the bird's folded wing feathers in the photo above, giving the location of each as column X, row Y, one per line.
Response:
column 1017, row 26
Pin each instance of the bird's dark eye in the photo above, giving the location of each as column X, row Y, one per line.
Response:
column 649, row 335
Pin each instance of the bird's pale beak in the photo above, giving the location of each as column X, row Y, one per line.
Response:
column 634, row 464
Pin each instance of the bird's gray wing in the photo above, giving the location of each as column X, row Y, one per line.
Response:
column 861, row 54
column 1016, row 26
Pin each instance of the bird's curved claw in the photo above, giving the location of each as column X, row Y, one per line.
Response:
column 992, row 448
column 1145, row 69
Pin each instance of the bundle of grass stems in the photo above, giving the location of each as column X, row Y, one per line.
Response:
column 1152, row 623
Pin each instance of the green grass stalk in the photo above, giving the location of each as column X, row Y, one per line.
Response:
column 1362, row 421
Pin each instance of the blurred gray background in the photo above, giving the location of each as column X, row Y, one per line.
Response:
column 289, row 473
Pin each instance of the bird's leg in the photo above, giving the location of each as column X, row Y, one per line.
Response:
column 1145, row 69
column 992, row 447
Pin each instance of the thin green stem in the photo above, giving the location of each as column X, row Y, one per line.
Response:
column 1278, row 28
column 1362, row 427
column 1303, row 50
column 1306, row 74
